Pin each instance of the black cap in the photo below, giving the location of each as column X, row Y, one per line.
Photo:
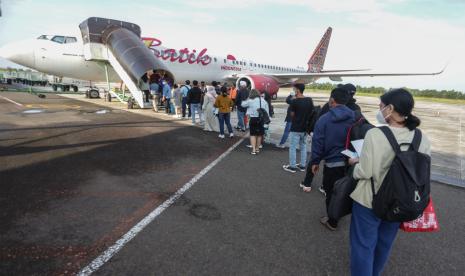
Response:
column 350, row 88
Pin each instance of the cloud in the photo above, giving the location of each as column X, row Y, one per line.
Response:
column 366, row 34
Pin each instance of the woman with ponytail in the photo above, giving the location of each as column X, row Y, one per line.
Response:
column 371, row 238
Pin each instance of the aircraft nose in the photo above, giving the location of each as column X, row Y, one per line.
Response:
column 18, row 53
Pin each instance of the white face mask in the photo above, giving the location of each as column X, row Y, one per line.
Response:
column 293, row 93
column 380, row 117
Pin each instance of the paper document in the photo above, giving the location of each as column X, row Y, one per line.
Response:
column 358, row 145
column 349, row 154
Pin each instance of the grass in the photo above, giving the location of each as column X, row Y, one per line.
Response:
column 417, row 98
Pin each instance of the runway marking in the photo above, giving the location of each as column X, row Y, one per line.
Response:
column 11, row 101
column 119, row 244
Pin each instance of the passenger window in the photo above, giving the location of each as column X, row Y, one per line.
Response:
column 58, row 39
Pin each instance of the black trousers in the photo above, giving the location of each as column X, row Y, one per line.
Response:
column 147, row 95
column 308, row 176
column 330, row 176
column 167, row 105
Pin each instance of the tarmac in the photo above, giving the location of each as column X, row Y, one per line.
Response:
column 78, row 174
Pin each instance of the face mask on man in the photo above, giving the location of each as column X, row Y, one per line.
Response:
column 380, row 116
column 293, row 93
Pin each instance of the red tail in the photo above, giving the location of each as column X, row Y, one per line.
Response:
column 317, row 60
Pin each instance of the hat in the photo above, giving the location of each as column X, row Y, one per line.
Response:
column 350, row 88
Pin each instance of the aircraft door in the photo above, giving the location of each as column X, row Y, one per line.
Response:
column 250, row 66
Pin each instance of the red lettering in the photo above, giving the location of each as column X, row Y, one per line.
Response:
column 168, row 54
column 184, row 54
column 230, row 68
column 151, row 42
column 204, row 59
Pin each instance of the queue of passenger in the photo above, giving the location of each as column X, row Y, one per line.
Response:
column 340, row 121
column 331, row 129
column 212, row 105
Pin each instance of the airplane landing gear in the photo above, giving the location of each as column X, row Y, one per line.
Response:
column 92, row 93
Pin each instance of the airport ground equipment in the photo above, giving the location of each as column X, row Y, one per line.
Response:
column 118, row 43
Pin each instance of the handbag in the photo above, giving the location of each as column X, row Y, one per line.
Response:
column 341, row 202
column 428, row 222
column 263, row 116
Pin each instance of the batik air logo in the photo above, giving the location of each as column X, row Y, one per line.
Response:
column 180, row 56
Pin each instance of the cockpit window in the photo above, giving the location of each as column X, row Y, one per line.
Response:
column 70, row 40
column 59, row 39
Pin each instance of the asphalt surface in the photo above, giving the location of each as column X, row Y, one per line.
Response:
column 72, row 181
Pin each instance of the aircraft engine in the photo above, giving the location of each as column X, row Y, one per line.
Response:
column 261, row 83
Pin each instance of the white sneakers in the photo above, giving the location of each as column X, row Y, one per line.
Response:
column 231, row 135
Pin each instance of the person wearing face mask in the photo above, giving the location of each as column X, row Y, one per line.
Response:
column 328, row 142
column 371, row 238
column 224, row 104
column 287, row 120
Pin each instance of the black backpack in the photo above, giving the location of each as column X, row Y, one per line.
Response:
column 357, row 131
column 404, row 193
column 313, row 118
column 263, row 117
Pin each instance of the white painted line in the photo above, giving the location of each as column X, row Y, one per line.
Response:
column 119, row 244
column 11, row 101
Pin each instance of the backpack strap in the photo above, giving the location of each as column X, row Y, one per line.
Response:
column 350, row 130
column 372, row 186
column 392, row 140
column 415, row 145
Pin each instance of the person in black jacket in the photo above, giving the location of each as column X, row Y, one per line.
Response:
column 268, row 100
column 351, row 89
column 193, row 98
column 242, row 95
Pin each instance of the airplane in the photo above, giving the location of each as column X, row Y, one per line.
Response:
column 65, row 56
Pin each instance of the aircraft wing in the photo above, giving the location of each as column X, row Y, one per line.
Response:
column 338, row 75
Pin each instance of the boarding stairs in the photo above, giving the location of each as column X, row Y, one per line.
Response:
column 119, row 44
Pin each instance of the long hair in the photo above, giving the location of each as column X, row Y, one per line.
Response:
column 254, row 94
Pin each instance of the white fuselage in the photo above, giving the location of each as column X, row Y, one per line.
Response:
column 67, row 60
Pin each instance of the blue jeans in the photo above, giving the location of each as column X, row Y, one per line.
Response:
column 240, row 119
column 287, row 129
column 225, row 118
column 299, row 138
column 196, row 108
column 371, row 240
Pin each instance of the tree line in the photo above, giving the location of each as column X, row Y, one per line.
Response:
column 427, row 93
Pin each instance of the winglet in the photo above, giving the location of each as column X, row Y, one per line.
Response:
column 317, row 60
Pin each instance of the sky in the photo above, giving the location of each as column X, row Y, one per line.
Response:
column 385, row 36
